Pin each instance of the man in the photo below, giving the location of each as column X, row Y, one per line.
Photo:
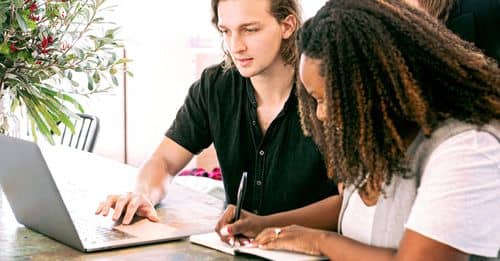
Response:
column 247, row 107
column 476, row 21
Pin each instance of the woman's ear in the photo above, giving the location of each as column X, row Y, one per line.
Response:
column 288, row 26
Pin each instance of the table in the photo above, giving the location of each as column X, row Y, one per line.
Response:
column 20, row 243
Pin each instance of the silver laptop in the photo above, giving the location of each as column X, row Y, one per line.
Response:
column 68, row 217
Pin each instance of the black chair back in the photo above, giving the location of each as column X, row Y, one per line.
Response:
column 86, row 130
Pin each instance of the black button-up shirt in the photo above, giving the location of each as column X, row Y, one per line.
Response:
column 285, row 168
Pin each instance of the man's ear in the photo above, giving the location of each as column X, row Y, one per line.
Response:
column 288, row 26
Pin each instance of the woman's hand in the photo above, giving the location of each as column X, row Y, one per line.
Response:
column 248, row 226
column 292, row 238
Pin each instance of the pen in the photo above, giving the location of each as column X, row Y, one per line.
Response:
column 241, row 196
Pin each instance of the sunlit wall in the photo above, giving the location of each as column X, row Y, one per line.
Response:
column 169, row 47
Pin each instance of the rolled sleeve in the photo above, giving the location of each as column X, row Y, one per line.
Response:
column 190, row 128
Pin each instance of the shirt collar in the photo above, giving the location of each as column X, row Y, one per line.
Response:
column 290, row 102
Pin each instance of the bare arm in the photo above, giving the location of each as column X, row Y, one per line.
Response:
column 157, row 172
column 321, row 215
column 413, row 246
column 153, row 179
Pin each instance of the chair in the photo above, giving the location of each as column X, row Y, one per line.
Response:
column 86, row 130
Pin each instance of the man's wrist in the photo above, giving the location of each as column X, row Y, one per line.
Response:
column 151, row 195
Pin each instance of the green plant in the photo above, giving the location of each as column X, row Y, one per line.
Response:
column 48, row 49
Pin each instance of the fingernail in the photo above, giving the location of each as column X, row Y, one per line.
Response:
column 224, row 231
column 231, row 242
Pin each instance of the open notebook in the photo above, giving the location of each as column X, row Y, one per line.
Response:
column 212, row 240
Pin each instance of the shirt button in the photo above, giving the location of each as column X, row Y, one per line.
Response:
column 259, row 182
column 261, row 153
column 254, row 123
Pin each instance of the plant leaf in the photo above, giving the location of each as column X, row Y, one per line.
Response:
column 21, row 22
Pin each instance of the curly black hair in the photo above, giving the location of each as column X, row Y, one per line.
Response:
column 388, row 67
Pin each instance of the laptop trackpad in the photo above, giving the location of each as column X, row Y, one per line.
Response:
column 146, row 228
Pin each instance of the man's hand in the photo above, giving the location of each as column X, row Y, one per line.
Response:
column 128, row 204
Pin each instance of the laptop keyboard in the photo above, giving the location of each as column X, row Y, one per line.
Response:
column 96, row 234
column 89, row 229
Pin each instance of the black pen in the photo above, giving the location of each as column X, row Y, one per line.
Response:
column 241, row 196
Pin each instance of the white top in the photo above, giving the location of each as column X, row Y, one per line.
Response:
column 458, row 201
column 360, row 219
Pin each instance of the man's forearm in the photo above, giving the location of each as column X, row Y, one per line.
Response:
column 153, row 179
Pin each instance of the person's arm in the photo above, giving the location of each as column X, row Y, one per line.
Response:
column 323, row 214
column 453, row 215
column 413, row 246
column 188, row 134
column 156, row 173
column 153, row 179
column 320, row 215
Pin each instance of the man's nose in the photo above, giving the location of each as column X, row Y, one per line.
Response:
column 237, row 44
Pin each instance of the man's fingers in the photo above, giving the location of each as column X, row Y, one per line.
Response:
column 110, row 203
column 99, row 208
column 148, row 212
column 153, row 216
column 121, row 203
column 131, row 209
column 128, row 205
column 146, row 209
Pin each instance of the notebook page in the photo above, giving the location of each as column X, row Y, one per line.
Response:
column 212, row 240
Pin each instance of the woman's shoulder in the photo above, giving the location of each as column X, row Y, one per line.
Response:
column 461, row 185
column 465, row 148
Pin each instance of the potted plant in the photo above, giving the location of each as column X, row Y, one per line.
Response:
column 45, row 49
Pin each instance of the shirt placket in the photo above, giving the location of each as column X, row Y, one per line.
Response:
column 263, row 151
column 259, row 180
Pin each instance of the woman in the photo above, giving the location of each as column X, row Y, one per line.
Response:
column 405, row 114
